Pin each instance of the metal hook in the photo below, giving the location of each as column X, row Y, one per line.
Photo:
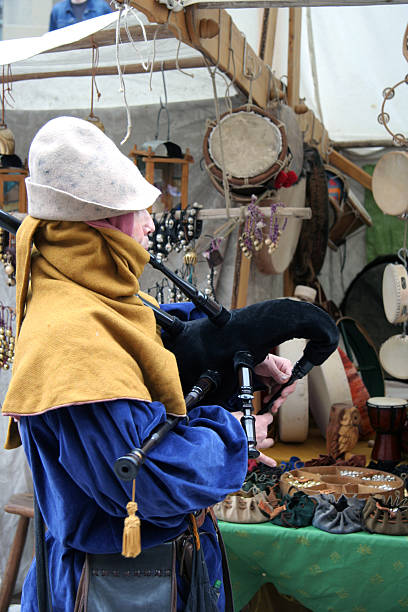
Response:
column 163, row 107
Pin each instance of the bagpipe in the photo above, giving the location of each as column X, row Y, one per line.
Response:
column 216, row 354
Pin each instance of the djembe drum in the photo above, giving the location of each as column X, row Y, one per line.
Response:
column 250, row 145
column 387, row 415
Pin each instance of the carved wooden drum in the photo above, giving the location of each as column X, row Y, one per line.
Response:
column 387, row 416
column 250, row 145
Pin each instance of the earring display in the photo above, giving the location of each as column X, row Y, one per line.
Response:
column 7, row 340
column 8, row 256
column 252, row 238
column 175, row 234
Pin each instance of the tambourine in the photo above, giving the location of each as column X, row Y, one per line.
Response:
column 328, row 385
column 294, row 413
column 249, row 145
column 390, row 183
column 393, row 356
column 395, row 293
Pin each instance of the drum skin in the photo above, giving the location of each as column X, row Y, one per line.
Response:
column 394, row 356
column 278, row 261
column 250, row 145
column 328, row 385
column 390, row 183
column 395, row 293
column 294, row 413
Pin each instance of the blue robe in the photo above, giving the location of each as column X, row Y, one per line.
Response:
column 71, row 452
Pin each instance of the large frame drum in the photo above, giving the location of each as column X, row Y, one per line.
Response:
column 250, row 145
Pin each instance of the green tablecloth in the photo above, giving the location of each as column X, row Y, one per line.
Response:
column 357, row 572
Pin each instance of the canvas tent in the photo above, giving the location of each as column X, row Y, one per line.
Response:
column 349, row 54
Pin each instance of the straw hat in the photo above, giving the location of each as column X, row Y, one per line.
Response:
column 78, row 174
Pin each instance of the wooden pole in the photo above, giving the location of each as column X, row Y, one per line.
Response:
column 352, row 170
column 295, row 31
column 268, row 35
column 171, row 64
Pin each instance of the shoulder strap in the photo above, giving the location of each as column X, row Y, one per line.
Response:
column 229, row 602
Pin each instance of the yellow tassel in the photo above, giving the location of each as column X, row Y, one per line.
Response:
column 131, row 545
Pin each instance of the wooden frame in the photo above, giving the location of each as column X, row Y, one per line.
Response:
column 14, row 175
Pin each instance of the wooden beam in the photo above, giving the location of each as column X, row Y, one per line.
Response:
column 107, row 37
column 284, row 3
column 227, row 48
column 295, row 32
column 160, row 14
column 363, row 144
column 184, row 63
column 352, row 170
column 268, row 35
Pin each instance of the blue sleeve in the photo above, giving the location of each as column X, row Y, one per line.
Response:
column 186, row 311
column 53, row 25
column 72, row 451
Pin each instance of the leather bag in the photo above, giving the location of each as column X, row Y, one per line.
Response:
column 112, row 582
column 342, row 515
column 386, row 516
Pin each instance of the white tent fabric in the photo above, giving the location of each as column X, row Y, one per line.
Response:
column 16, row 50
column 357, row 52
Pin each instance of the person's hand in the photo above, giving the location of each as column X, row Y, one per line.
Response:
column 274, row 371
column 262, row 422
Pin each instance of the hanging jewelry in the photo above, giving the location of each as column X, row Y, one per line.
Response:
column 275, row 231
column 214, row 259
column 252, row 237
column 7, row 340
column 8, row 256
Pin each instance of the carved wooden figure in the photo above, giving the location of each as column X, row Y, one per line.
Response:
column 342, row 430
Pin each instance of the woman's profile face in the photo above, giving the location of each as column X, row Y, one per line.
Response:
column 142, row 226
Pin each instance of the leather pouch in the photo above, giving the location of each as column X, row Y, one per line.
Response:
column 112, row 583
column 341, row 515
column 244, row 507
column 296, row 510
column 386, row 516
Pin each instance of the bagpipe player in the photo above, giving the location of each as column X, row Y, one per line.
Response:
column 92, row 379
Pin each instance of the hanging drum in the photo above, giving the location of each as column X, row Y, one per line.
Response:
column 390, row 183
column 250, row 146
column 395, row 293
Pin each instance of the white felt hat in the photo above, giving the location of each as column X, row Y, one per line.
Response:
column 78, row 174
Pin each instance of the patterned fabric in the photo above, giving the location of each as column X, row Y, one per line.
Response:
column 359, row 394
column 326, row 572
